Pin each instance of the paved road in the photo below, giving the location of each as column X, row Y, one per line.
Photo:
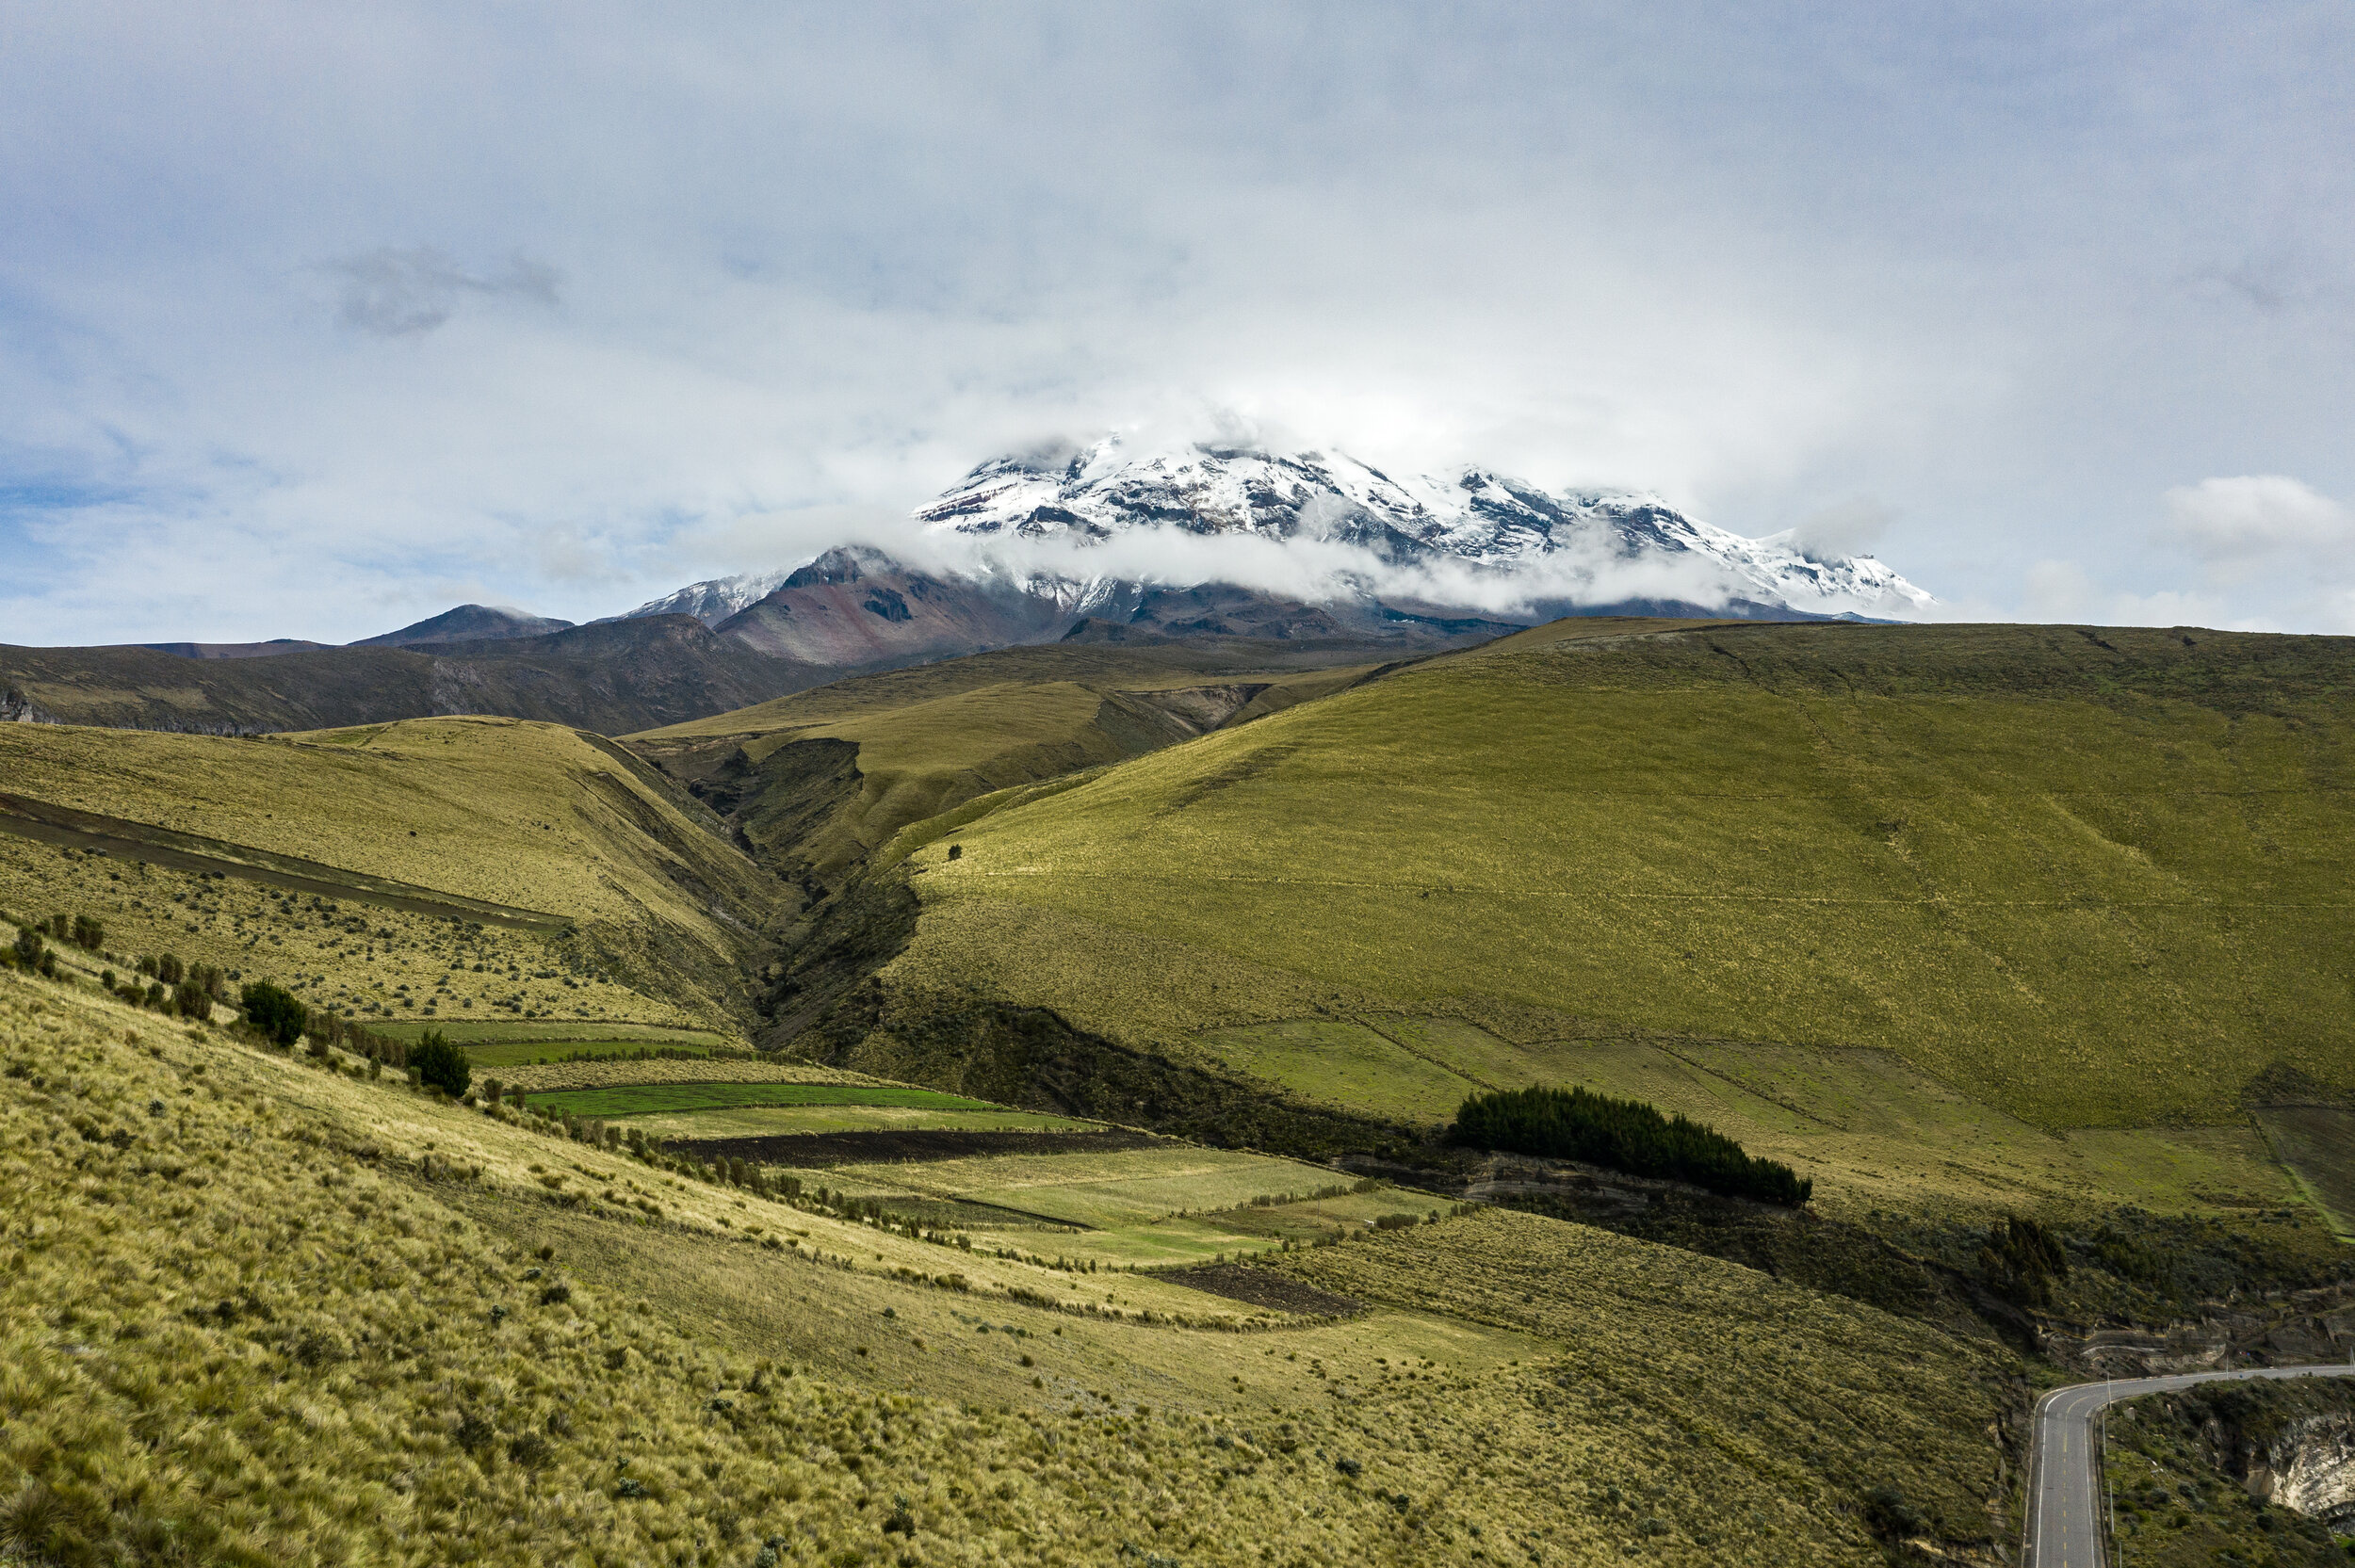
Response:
column 2064, row 1510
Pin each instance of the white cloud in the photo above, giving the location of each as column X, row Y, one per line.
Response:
column 1850, row 528
column 2063, row 590
column 2238, row 522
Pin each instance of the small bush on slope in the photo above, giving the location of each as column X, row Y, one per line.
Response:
column 440, row 1064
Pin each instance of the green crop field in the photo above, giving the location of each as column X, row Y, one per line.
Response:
column 2086, row 879
column 637, row 1099
column 568, row 1034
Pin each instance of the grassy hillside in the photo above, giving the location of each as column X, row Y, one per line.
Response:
column 261, row 1308
column 2088, row 878
column 823, row 781
column 640, row 911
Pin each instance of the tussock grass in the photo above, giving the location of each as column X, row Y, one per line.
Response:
column 274, row 1312
column 1771, row 1413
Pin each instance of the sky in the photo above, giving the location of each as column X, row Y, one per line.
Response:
column 315, row 320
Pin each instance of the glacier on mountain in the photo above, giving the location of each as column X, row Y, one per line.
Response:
column 1090, row 528
column 1469, row 536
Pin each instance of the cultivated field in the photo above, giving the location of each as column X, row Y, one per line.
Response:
column 639, row 1099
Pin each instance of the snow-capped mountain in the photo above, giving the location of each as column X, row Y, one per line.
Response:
column 1476, row 533
column 714, row 601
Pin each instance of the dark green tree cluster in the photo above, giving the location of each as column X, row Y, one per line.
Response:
column 441, row 1065
column 2020, row 1260
column 1624, row 1135
column 273, row 1012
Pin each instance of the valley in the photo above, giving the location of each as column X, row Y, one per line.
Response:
column 998, row 1108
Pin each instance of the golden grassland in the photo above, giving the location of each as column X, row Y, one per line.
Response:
column 525, row 814
column 259, row 1310
column 1780, row 1388
column 2088, row 880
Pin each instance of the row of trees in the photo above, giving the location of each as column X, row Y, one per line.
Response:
column 1623, row 1135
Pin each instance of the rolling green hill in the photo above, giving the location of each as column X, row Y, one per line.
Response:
column 2088, row 879
column 433, row 865
column 821, row 782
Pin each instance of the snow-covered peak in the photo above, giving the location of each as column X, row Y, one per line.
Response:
column 1471, row 520
column 714, row 601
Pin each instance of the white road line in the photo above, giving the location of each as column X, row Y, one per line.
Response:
column 2061, row 1499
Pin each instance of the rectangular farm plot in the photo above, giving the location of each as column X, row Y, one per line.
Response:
column 1109, row 1190
column 525, row 1053
column 641, row 1099
column 569, row 1035
column 790, row 1121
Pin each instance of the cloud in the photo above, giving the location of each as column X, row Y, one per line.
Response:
column 1850, row 528
column 2065, row 592
column 2233, row 522
column 1316, row 570
column 831, row 257
column 404, row 293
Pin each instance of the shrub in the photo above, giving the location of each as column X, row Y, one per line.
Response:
column 1624, row 1135
column 438, row 1064
column 1889, row 1513
column 88, row 934
column 167, row 968
column 270, row 1011
column 190, row 1001
column 28, row 946
column 2020, row 1260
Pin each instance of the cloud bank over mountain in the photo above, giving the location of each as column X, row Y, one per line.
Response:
column 371, row 314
